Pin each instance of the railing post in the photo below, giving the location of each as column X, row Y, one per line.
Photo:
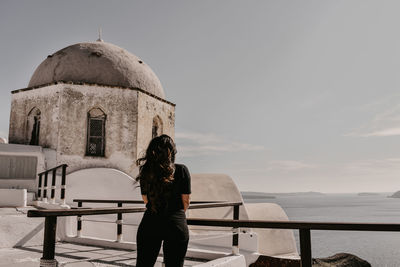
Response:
column 305, row 247
column 119, row 224
column 235, row 237
column 39, row 196
column 49, row 244
column 53, row 187
column 63, row 177
column 45, row 187
column 79, row 222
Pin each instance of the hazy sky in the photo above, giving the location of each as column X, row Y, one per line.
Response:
column 281, row 95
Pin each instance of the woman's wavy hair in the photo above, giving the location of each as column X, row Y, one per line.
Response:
column 156, row 171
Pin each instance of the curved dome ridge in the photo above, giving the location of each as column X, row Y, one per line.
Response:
column 98, row 63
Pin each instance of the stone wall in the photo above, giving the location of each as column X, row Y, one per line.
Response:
column 46, row 99
column 120, row 107
column 148, row 108
column 63, row 126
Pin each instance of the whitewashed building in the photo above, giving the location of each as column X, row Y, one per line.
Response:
column 95, row 104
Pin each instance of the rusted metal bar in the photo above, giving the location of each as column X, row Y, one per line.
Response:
column 94, row 211
column 63, row 178
column 305, row 248
column 108, row 201
column 119, row 224
column 40, row 187
column 45, row 187
column 49, row 242
column 235, row 237
column 215, row 205
column 379, row 227
column 386, row 227
column 53, row 187
column 137, row 201
column 335, row 226
column 83, row 211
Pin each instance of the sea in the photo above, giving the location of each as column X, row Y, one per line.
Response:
column 378, row 248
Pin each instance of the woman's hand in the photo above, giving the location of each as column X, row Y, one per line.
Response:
column 185, row 201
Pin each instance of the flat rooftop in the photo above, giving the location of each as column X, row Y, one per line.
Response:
column 68, row 254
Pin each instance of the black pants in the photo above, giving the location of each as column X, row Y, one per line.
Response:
column 153, row 229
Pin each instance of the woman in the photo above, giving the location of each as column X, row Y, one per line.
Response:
column 165, row 188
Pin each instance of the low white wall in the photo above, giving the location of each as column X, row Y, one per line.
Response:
column 24, row 150
column 219, row 187
column 13, row 197
column 102, row 183
column 215, row 187
column 272, row 242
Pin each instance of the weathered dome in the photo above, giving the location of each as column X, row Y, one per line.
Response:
column 98, row 63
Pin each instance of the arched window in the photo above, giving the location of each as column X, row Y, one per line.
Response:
column 96, row 123
column 157, row 128
column 33, row 126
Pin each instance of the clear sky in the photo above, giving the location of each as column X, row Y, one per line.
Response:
column 281, row 95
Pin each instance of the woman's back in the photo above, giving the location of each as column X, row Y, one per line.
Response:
column 165, row 188
column 172, row 194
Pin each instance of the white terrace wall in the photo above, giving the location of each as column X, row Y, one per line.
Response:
column 29, row 181
column 102, row 183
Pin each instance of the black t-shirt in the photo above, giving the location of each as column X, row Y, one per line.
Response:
column 180, row 185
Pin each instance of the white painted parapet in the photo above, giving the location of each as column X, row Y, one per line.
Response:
column 272, row 242
column 103, row 183
column 219, row 187
column 14, row 151
column 13, row 197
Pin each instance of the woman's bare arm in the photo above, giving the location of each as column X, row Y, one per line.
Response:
column 145, row 199
column 185, row 201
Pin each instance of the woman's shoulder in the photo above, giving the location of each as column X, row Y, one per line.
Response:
column 181, row 167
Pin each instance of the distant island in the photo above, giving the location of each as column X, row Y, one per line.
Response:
column 395, row 195
column 257, row 195
column 366, row 194
column 310, row 193
column 261, row 195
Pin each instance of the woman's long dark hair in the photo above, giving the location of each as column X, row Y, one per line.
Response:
column 156, row 171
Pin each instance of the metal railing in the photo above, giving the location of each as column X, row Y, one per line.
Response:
column 43, row 184
column 303, row 227
column 51, row 220
column 119, row 222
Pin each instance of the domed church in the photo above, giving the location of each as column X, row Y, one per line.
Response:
column 94, row 105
